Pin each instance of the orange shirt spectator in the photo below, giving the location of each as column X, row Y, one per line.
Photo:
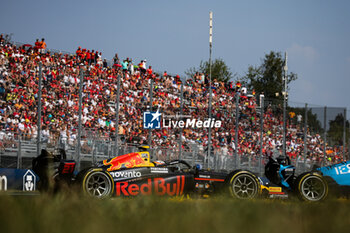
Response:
column 42, row 46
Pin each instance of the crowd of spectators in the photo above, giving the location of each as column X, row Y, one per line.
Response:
column 19, row 75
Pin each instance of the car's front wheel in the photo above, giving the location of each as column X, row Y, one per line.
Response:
column 312, row 187
column 244, row 185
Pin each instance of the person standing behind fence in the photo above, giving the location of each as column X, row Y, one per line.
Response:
column 42, row 46
column 37, row 45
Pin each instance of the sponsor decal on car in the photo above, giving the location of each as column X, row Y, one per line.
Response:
column 3, row 183
column 275, row 189
column 125, row 174
column 344, row 169
column 157, row 186
column 125, row 161
column 159, row 170
column 210, row 179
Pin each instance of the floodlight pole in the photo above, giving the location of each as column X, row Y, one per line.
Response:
column 210, row 90
column 285, row 68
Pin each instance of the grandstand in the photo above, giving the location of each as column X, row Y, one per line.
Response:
column 60, row 100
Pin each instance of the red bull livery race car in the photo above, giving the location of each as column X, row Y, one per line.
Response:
column 135, row 174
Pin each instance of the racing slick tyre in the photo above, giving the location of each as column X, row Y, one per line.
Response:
column 244, row 185
column 312, row 187
column 97, row 183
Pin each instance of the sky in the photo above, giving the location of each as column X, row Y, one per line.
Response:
column 174, row 36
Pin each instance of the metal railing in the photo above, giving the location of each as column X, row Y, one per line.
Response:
column 19, row 154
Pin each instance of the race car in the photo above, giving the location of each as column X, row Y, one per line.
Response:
column 136, row 174
column 280, row 180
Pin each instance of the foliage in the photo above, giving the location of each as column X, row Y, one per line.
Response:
column 72, row 213
column 268, row 77
column 219, row 70
column 336, row 129
column 314, row 125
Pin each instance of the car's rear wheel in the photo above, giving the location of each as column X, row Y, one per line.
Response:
column 312, row 187
column 97, row 184
column 244, row 185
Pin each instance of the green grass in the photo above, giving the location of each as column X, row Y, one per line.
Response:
column 72, row 213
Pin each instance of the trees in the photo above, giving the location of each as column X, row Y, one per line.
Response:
column 268, row 76
column 336, row 127
column 313, row 123
column 219, row 70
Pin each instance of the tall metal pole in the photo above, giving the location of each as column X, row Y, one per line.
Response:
column 117, row 118
column 325, row 133
column 79, row 116
column 181, row 113
column 344, row 135
column 236, row 129
column 39, row 109
column 285, row 68
column 150, row 109
column 261, row 133
column 210, row 90
column 305, row 135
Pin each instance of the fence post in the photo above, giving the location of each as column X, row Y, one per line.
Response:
column 181, row 113
column 93, row 152
column 348, row 147
column 39, row 110
column 261, row 133
column 344, row 135
column 79, row 117
column 305, row 136
column 236, row 130
column 19, row 155
column 209, row 129
column 193, row 158
column 150, row 109
column 117, row 118
column 325, row 134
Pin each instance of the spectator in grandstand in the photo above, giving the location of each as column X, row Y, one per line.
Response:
column 142, row 66
column 60, row 98
column 2, row 40
column 37, row 45
column 43, row 46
